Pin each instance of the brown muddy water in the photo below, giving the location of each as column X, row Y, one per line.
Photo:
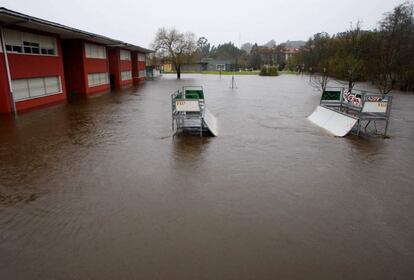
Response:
column 98, row 189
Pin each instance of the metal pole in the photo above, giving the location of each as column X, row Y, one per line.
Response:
column 172, row 112
column 201, row 118
column 388, row 113
column 201, row 126
column 6, row 61
column 359, row 126
column 386, row 128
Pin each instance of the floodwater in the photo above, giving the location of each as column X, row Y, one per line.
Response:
column 98, row 189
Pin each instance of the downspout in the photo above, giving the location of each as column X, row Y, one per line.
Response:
column 6, row 61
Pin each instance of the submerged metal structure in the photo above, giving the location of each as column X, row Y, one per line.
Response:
column 189, row 112
column 340, row 110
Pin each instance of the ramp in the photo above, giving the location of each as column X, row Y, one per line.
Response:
column 210, row 122
column 333, row 121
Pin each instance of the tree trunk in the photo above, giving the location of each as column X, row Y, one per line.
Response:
column 178, row 70
column 350, row 85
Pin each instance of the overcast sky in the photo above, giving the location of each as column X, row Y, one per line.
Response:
column 219, row 21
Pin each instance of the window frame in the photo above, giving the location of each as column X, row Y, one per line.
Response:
column 44, row 88
column 142, row 71
column 141, row 57
column 129, row 75
column 220, row 67
column 95, row 53
column 123, row 57
column 36, row 37
column 107, row 80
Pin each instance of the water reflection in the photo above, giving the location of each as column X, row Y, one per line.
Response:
column 190, row 150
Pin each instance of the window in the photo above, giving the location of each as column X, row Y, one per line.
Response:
column 35, row 87
column 52, row 85
column 95, row 51
column 20, row 89
column 97, row 79
column 30, row 47
column 141, row 57
column 125, row 55
column 221, row 67
column 47, row 45
column 126, row 75
column 142, row 73
column 28, row 43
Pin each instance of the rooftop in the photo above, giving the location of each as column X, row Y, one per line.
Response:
column 9, row 17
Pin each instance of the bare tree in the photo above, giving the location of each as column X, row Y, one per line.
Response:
column 319, row 80
column 352, row 59
column 174, row 46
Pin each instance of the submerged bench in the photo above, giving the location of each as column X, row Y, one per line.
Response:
column 340, row 110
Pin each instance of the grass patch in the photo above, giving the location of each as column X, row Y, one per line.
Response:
column 217, row 72
column 288, row 72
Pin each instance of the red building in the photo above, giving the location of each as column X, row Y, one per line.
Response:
column 120, row 67
column 41, row 62
column 138, row 67
column 86, row 67
column 35, row 66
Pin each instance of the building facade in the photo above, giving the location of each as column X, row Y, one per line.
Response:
column 120, row 66
column 33, row 68
column 42, row 62
column 138, row 67
column 86, row 67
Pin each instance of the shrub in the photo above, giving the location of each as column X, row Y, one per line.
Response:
column 269, row 71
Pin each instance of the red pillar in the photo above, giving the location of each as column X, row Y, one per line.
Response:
column 5, row 102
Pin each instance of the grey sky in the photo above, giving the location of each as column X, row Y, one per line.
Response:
column 218, row 20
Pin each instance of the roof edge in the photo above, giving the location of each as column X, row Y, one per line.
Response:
column 28, row 18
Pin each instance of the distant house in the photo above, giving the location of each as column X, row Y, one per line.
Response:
column 167, row 67
column 219, row 64
column 206, row 64
column 185, row 67
column 276, row 55
column 194, row 66
column 268, row 55
column 289, row 52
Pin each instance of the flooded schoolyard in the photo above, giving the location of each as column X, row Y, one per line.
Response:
column 99, row 189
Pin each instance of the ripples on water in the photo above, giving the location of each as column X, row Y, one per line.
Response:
column 99, row 189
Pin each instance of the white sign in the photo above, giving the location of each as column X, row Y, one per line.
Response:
column 375, row 107
column 187, row 106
